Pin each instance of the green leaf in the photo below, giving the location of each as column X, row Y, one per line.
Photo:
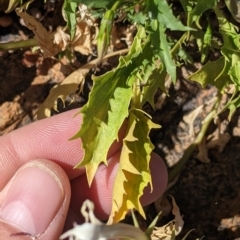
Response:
column 103, row 38
column 107, row 107
column 135, row 221
column 229, row 34
column 199, row 9
column 188, row 5
column 163, row 18
column 210, row 73
column 222, row 81
column 232, row 56
column 162, row 49
column 152, row 225
column 103, row 116
column 70, row 9
column 134, row 173
column 234, row 73
column 206, row 42
column 156, row 80
column 233, row 107
column 166, row 56
column 162, row 11
column 12, row 4
column 233, row 104
column 138, row 18
column 185, row 56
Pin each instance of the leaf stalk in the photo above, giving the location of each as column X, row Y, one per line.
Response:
column 19, row 44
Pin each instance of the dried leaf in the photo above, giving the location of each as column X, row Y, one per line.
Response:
column 163, row 205
column 61, row 38
column 172, row 229
column 219, row 142
column 85, row 15
column 178, row 218
column 234, row 8
column 190, row 118
column 63, row 89
column 51, row 44
column 82, row 39
column 163, row 233
column 129, row 34
column 81, row 42
column 44, row 38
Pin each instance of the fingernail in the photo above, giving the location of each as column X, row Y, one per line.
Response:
column 33, row 199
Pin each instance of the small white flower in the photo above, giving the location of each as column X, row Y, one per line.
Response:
column 86, row 231
column 93, row 229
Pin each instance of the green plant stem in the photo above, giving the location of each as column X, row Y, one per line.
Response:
column 179, row 44
column 174, row 172
column 136, row 100
column 115, row 6
column 19, row 44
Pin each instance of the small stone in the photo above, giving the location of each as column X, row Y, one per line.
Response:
column 5, row 21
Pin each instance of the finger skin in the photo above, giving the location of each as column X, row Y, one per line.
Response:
column 101, row 189
column 9, row 232
column 47, row 139
column 53, row 231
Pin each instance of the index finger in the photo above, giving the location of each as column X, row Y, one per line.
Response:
column 44, row 139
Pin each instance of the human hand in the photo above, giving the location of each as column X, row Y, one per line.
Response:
column 37, row 180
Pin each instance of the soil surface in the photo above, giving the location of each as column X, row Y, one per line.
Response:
column 207, row 193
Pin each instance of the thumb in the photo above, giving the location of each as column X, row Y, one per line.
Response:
column 34, row 203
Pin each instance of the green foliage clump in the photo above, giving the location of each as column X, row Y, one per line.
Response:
column 153, row 57
column 164, row 30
